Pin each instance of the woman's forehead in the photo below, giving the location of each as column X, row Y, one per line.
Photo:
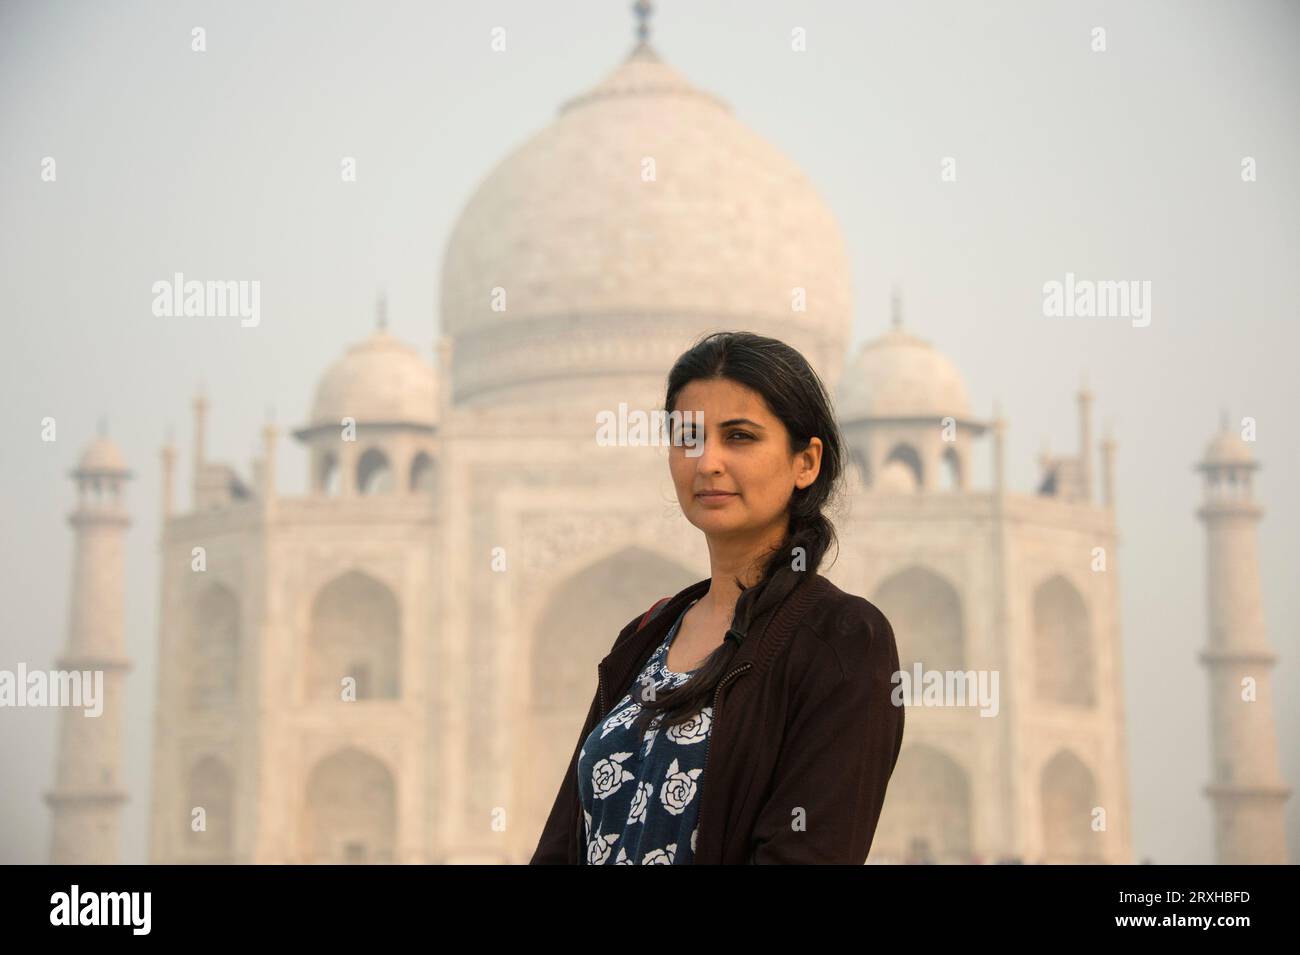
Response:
column 725, row 398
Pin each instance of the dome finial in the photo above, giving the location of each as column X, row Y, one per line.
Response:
column 103, row 426
column 896, row 308
column 381, row 312
column 642, row 9
column 1223, row 417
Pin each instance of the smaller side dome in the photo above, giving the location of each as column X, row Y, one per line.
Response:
column 901, row 376
column 1227, row 448
column 102, row 456
column 378, row 381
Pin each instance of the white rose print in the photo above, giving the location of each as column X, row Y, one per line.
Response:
column 598, row 849
column 639, row 802
column 622, row 718
column 608, row 774
column 660, row 856
column 678, row 789
column 694, row 730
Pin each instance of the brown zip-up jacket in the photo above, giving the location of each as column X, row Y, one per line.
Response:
column 803, row 740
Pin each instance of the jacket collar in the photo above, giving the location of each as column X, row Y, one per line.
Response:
column 766, row 635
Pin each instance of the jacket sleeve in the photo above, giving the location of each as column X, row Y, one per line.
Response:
column 558, row 842
column 842, row 739
column 559, row 839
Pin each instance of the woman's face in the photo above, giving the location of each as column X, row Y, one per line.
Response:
column 742, row 449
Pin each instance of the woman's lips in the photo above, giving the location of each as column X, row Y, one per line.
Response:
column 715, row 497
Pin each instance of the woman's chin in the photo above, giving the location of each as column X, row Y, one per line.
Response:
column 712, row 522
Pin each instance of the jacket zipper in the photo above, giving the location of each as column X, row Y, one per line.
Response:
column 713, row 727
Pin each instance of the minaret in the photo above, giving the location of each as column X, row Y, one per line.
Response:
column 1011, row 834
column 1246, row 790
column 88, row 795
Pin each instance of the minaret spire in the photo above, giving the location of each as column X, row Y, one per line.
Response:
column 168, row 470
column 267, row 487
column 200, row 440
column 1085, row 440
column 1108, row 466
column 896, row 308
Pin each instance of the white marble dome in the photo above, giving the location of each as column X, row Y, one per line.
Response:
column 378, row 380
column 901, row 376
column 606, row 274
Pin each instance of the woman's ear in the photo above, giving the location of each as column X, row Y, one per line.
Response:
column 811, row 459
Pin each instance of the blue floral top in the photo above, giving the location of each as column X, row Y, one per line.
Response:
column 641, row 799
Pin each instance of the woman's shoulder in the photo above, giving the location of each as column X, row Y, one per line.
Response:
column 855, row 631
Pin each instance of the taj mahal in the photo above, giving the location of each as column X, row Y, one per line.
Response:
column 390, row 663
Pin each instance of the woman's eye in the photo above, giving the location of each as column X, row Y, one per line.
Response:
column 689, row 436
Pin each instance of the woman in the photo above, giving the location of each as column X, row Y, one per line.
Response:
column 754, row 720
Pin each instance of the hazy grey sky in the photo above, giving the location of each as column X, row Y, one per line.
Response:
column 1116, row 165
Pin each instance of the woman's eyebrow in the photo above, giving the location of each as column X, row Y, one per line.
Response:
column 730, row 421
